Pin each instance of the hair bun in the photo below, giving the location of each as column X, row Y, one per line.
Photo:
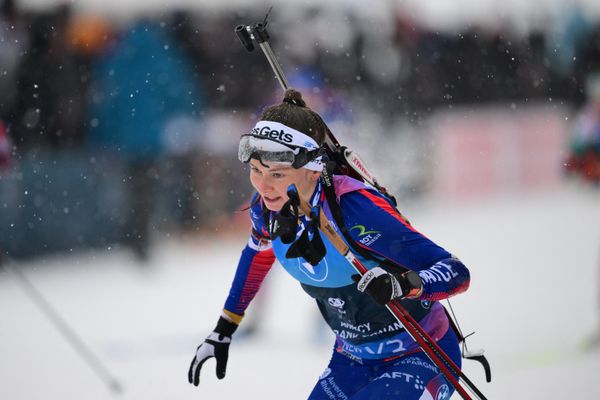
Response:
column 292, row 96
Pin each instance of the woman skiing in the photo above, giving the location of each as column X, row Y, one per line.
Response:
column 373, row 356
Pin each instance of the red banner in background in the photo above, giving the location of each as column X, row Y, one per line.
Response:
column 494, row 150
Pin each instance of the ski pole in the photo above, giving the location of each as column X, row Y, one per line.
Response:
column 419, row 335
column 67, row 332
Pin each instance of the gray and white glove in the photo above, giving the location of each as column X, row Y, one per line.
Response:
column 383, row 286
column 215, row 345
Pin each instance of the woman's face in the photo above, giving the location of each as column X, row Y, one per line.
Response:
column 272, row 182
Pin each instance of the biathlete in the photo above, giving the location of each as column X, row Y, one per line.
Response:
column 373, row 356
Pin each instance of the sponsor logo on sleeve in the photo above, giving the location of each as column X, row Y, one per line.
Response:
column 366, row 237
column 438, row 272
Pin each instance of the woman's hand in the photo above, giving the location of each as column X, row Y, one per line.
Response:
column 215, row 345
column 384, row 286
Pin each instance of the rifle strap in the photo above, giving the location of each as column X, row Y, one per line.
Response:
column 336, row 212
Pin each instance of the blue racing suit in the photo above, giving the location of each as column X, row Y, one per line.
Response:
column 373, row 354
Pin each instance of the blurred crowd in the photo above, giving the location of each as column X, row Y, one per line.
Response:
column 583, row 154
column 158, row 102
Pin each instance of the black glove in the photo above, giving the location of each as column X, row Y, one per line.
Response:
column 384, row 286
column 215, row 345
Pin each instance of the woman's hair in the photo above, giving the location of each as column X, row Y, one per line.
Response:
column 293, row 112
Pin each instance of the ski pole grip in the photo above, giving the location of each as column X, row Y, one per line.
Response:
column 244, row 36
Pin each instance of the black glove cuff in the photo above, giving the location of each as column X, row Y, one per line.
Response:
column 411, row 284
column 225, row 327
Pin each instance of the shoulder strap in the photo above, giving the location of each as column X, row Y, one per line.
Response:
column 338, row 217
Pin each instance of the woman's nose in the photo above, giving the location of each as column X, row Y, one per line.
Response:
column 264, row 185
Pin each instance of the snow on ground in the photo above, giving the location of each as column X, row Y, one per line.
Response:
column 533, row 301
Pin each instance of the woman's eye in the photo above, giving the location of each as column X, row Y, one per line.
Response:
column 277, row 175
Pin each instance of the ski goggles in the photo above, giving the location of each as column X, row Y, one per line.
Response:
column 275, row 142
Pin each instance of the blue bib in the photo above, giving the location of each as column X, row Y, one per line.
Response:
column 333, row 271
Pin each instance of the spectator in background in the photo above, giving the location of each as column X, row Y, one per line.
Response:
column 13, row 42
column 141, row 85
column 184, row 134
column 584, row 148
column 88, row 37
column 49, row 107
column 5, row 147
column 583, row 159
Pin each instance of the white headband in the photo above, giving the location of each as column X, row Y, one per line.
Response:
column 280, row 133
